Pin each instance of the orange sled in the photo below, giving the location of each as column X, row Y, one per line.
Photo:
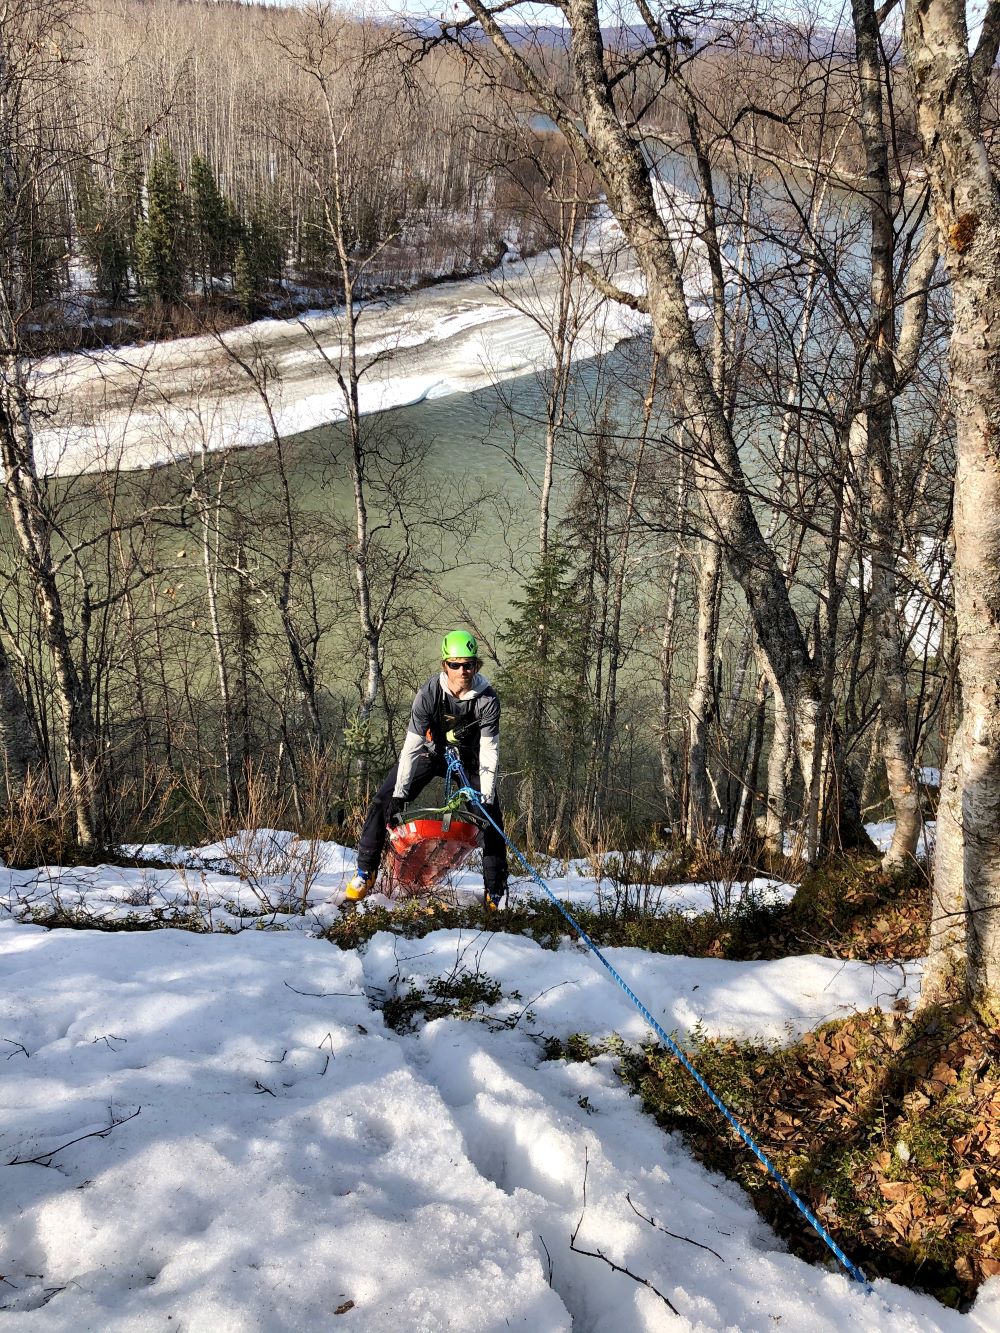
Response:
column 425, row 850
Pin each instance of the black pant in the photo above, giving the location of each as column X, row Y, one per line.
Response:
column 425, row 768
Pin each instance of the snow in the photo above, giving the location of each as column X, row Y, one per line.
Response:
column 577, row 885
column 135, row 407
column 567, row 992
column 271, row 876
column 881, row 834
column 218, row 1131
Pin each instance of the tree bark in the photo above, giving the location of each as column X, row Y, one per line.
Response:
column 667, row 651
column 28, row 505
column 701, row 699
column 208, row 516
column 777, row 777
column 18, row 742
column 948, row 87
column 897, row 746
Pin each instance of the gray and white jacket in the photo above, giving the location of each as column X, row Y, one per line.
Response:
column 470, row 720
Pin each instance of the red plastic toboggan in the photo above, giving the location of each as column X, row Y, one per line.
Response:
column 424, row 851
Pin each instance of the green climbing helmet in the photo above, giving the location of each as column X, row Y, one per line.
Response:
column 459, row 643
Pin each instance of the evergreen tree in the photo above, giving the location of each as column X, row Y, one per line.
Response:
column 104, row 228
column 315, row 244
column 43, row 246
column 160, row 240
column 211, row 222
column 545, row 688
column 248, row 285
column 258, row 264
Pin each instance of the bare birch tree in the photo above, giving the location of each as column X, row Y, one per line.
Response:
column 33, row 75
column 601, row 128
column 949, row 85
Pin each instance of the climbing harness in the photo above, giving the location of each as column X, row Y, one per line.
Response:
column 469, row 793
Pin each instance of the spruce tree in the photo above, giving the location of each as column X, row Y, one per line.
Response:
column 210, row 224
column 315, row 244
column 258, row 264
column 248, row 285
column 544, row 686
column 103, row 224
column 160, row 241
column 43, row 247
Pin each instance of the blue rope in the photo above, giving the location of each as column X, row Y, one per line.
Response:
column 473, row 797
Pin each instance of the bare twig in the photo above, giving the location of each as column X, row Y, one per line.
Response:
column 672, row 1234
column 322, row 994
column 548, row 1257
column 598, row 1254
column 108, row 1038
column 45, row 1158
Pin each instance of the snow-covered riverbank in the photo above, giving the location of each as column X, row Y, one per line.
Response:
column 134, row 407
column 137, row 406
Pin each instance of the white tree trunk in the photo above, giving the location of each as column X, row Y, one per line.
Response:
column 701, row 698
column 948, row 88
column 599, row 136
column 883, row 387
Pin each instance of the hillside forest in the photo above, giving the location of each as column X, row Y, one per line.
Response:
column 757, row 601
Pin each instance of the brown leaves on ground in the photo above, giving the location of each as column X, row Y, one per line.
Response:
column 889, row 1127
column 847, row 908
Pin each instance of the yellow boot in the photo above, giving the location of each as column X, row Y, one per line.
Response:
column 358, row 886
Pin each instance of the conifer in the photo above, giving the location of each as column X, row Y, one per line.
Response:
column 160, row 241
column 211, row 221
column 103, row 224
column 545, row 685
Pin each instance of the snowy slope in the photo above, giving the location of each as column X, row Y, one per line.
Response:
column 288, row 1154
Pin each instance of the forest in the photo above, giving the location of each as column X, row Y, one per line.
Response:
column 738, row 623
column 188, row 161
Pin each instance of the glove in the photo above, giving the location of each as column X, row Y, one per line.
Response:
column 395, row 808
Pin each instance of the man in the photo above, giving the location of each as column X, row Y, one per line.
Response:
column 457, row 708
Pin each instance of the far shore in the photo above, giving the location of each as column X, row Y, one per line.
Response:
column 141, row 405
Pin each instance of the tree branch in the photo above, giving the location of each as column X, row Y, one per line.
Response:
column 45, row 1158
column 610, row 290
column 985, row 55
column 598, row 1254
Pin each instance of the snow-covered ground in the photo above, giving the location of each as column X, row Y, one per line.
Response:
column 881, row 834
column 134, row 407
column 269, row 877
column 217, row 1131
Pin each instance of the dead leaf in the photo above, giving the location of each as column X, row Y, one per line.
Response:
column 895, row 1190
column 899, row 1218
